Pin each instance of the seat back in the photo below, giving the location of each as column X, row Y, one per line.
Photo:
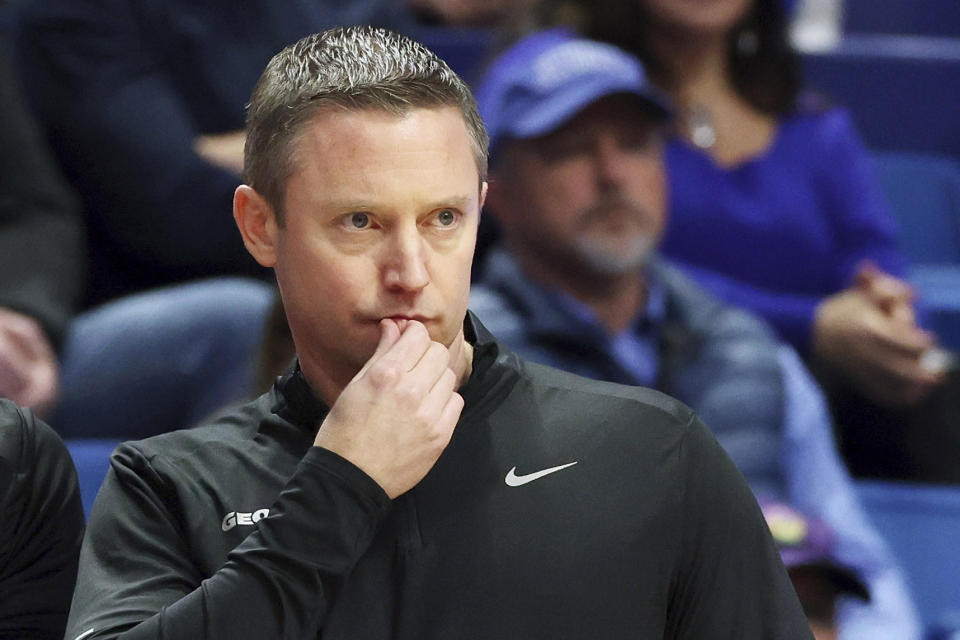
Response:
column 915, row 17
column 921, row 523
column 91, row 456
column 924, row 193
column 903, row 92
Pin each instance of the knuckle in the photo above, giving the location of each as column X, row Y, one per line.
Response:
column 409, row 394
column 448, row 379
column 383, row 375
column 418, row 331
column 422, row 417
column 437, row 349
column 421, row 328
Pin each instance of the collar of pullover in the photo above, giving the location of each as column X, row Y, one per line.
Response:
column 296, row 402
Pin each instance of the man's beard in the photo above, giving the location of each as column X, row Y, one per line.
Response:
column 595, row 253
column 610, row 253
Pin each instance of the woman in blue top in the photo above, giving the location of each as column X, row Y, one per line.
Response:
column 774, row 208
column 773, row 205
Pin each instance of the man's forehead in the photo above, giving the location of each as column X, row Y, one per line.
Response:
column 364, row 130
column 327, row 116
column 620, row 111
column 366, row 159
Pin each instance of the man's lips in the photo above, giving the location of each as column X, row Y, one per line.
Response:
column 375, row 318
column 403, row 320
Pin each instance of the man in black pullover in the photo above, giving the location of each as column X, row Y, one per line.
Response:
column 41, row 526
column 410, row 477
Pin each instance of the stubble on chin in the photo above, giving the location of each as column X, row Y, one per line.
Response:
column 607, row 254
column 616, row 236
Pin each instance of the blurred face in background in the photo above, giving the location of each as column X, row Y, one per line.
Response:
column 818, row 595
column 468, row 12
column 704, row 17
column 589, row 197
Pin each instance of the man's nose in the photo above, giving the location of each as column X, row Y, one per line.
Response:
column 609, row 160
column 405, row 263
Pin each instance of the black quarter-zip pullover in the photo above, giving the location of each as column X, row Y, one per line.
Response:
column 562, row 508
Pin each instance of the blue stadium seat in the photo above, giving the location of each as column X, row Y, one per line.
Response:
column 938, row 286
column 903, row 91
column 914, row 17
column 921, row 523
column 91, row 456
column 924, row 194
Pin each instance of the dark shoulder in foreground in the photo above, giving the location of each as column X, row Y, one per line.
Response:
column 42, row 527
column 569, row 398
column 26, row 441
column 236, row 427
column 564, row 380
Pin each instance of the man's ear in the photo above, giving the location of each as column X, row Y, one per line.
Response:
column 257, row 222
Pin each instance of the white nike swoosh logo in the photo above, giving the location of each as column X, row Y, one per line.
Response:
column 513, row 480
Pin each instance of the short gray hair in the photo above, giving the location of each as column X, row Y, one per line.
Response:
column 351, row 68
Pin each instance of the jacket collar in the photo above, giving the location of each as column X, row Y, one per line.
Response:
column 295, row 401
column 552, row 313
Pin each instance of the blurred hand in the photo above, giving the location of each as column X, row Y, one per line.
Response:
column 224, row 150
column 28, row 366
column 869, row 334
column 892, row 295
column 397, row 415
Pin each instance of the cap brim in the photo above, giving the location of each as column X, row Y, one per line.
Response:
column 845, row 580
column 553, row 112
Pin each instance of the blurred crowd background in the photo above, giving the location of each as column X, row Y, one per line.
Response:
column 812, row 179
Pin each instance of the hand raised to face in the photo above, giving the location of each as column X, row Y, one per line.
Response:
column 397, row 415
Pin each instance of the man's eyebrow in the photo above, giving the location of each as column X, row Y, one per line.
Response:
column 350, row 205
column 457, row 201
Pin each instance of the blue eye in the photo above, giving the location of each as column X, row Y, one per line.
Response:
column 446, row 218
column 359, row 220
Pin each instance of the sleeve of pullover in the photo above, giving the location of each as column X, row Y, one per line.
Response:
column 137, row 579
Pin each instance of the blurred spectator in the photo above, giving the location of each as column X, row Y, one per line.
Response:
column 41, row 255
column 577, row 183
column 162, row 359
column 143, row 103
column 127, row 369
column 775, row 208
column 820, row 577
column 41, row 526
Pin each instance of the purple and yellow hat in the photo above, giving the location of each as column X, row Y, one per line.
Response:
column 804, row 541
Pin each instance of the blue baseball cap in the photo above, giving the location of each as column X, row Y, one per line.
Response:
column 545, row 79
column 804, row 541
